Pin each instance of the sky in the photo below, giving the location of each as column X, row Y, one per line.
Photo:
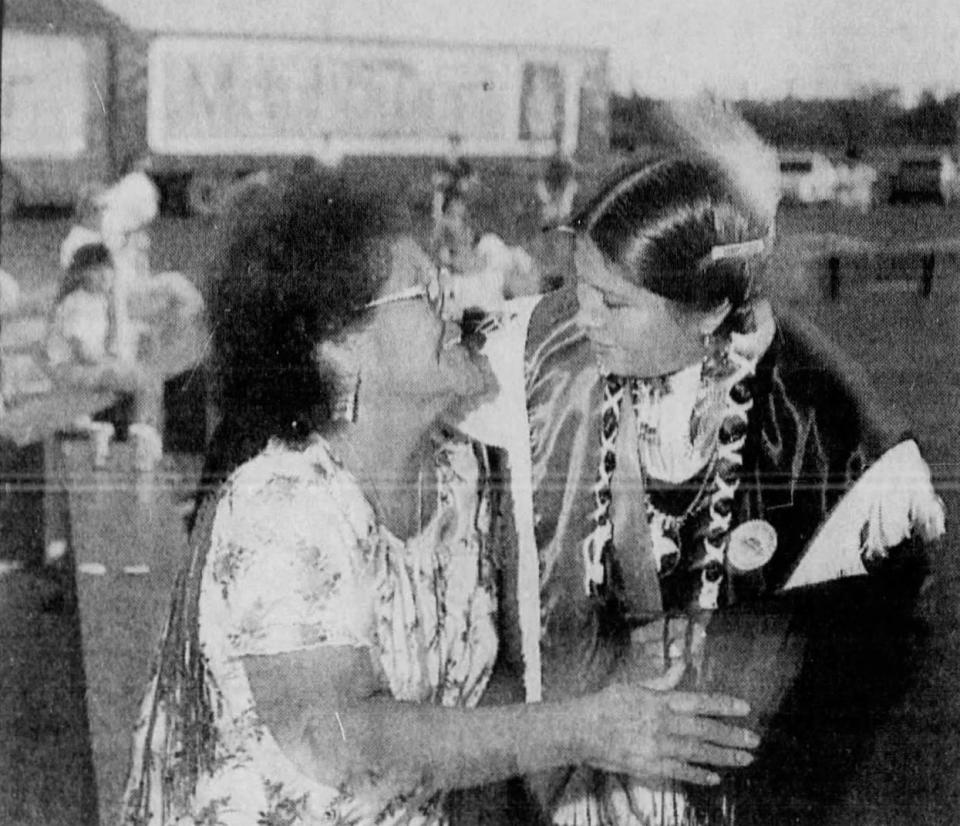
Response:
column 661, row 48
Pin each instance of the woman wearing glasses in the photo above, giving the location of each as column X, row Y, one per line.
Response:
column 335, row 626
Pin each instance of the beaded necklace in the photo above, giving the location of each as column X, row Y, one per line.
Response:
column 713, row 444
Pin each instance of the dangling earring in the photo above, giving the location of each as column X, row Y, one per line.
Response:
column 346, row 405
column 355, row 402
column 343, row 364
column 747, row 320
column 711, row 348
column 714, row 356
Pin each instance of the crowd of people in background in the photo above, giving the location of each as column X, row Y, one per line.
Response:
column 112, row 320
column 111, row 315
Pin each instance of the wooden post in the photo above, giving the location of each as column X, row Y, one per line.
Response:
column 929, row 265
column 833, row 264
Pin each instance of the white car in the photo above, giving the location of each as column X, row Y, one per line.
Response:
column 855, row 185
column 807, row 178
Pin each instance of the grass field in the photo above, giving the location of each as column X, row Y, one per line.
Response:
column 907, row 772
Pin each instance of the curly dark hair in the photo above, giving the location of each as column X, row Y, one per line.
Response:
column 293, row 264
column 77, row 275
column 660, row 219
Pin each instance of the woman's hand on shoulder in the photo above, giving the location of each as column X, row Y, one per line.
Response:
column 664, row 733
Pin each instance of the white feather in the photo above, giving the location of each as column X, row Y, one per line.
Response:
column 715, row 130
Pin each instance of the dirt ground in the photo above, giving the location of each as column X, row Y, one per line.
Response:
column 900, row 767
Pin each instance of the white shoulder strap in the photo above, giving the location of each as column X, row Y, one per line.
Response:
column 502, row 422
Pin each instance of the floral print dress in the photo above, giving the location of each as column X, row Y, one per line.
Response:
column 296, row 560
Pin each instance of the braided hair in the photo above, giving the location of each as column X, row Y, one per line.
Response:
column 660, row 221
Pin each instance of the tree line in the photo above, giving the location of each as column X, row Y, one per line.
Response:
column 875, row 118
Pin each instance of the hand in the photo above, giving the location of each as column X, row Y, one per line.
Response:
column 656, row 648
column 663, row 733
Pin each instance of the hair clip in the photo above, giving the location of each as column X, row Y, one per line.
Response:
column 741, row 249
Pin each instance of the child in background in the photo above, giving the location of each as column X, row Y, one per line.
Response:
column 79, row 326
column 81, row 346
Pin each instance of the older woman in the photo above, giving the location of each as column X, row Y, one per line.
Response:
column 688, row 452
column 336, row 623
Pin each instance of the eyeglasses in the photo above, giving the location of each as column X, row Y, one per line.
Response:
column 401, row 295
column 436, row 296
column 434, row 293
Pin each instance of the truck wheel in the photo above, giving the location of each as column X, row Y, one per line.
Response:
column 205, row 194
column 11, row 195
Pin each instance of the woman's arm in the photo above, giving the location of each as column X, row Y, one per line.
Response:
column 328, row 706
column 327, row 711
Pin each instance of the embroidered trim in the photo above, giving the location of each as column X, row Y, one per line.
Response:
column 599, row 541
column 722, row 380
column 721, row 478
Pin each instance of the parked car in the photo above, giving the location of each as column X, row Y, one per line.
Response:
column 855, row 185
column 926, row 177
column 807, row 178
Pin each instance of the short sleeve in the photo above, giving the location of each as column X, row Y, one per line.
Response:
column 57, row 346
column 77, row 333
column 286, row 569
column 81, row 324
